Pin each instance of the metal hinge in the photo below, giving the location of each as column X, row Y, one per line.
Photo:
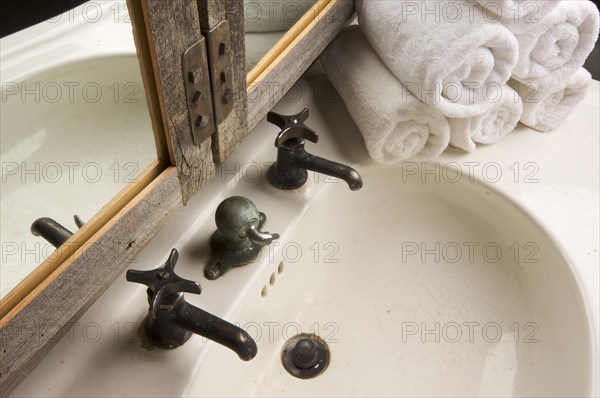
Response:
column 220, row 62
column 198, row 91
column 208, row 73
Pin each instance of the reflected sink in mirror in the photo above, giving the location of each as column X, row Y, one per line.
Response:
column 419, row 289
column 75, row 127
column 69, row 145
column 266, row 22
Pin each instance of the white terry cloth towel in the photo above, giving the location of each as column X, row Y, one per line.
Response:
column 395, row 125
column 555, row 48
column 490, row 127
column 517, row 15
column 443, row 51
column 274, row 15
column 544, row 110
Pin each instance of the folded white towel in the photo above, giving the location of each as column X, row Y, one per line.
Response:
column 272, row 16
column 556, row 47
column 544, row 110
column 444, row 52
column 490, row 127
column 395, row 125
column 517, row 15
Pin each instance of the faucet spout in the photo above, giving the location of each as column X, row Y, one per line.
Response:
column 194, row 320
column 171, row 320
column 317, row 164
column 289, row 172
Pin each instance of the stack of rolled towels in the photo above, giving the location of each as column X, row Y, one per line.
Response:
column 418, row 76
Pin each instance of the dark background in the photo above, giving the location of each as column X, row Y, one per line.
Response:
column 16, row 15
column 19, row 14
column 593, row 62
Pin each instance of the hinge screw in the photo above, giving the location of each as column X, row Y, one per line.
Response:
column 225, row 74
column 201, row 122
column 195, row 75
column 197, row 98
column 224, row 48
column 227, row 96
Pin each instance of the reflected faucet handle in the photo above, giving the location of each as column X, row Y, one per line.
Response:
column 164, row 285
column 292, row 126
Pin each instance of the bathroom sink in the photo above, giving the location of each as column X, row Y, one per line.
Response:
column 421, row 283
column 419, row 288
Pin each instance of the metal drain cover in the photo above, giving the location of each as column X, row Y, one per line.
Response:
column 305, row 356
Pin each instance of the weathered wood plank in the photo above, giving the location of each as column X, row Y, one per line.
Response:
column 32, row 328
column 271, row 85
column 234, row 128
column 172, row 27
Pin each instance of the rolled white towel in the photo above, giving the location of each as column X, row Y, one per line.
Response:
column 446, row 57
column 272, row 16
column 556, row 47
column 395, row 125
column 490, row 127
column 544, row 110
column 517, row 15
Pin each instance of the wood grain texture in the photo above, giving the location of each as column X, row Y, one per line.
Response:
column 172, row 27
column 61, row 299
column 233, row 129
column 271, row 85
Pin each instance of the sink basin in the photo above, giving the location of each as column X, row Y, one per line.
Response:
column 421, row 284
column 419, row 288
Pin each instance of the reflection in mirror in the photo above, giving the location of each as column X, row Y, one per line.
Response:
column 74, row 124
column 266, row 21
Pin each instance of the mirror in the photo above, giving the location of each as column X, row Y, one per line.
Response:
column 267, row 22
column 74, row 127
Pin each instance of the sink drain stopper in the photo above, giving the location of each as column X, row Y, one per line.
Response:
column 305, row 356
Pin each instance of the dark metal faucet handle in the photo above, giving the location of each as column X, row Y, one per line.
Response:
column 292, row 126
column 163, row 283
column 78, row 221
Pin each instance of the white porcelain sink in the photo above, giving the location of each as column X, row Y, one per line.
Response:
column 368, row 281
column 420, row 289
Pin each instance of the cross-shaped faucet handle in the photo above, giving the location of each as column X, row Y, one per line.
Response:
column 292, row 126
column 162, row 283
